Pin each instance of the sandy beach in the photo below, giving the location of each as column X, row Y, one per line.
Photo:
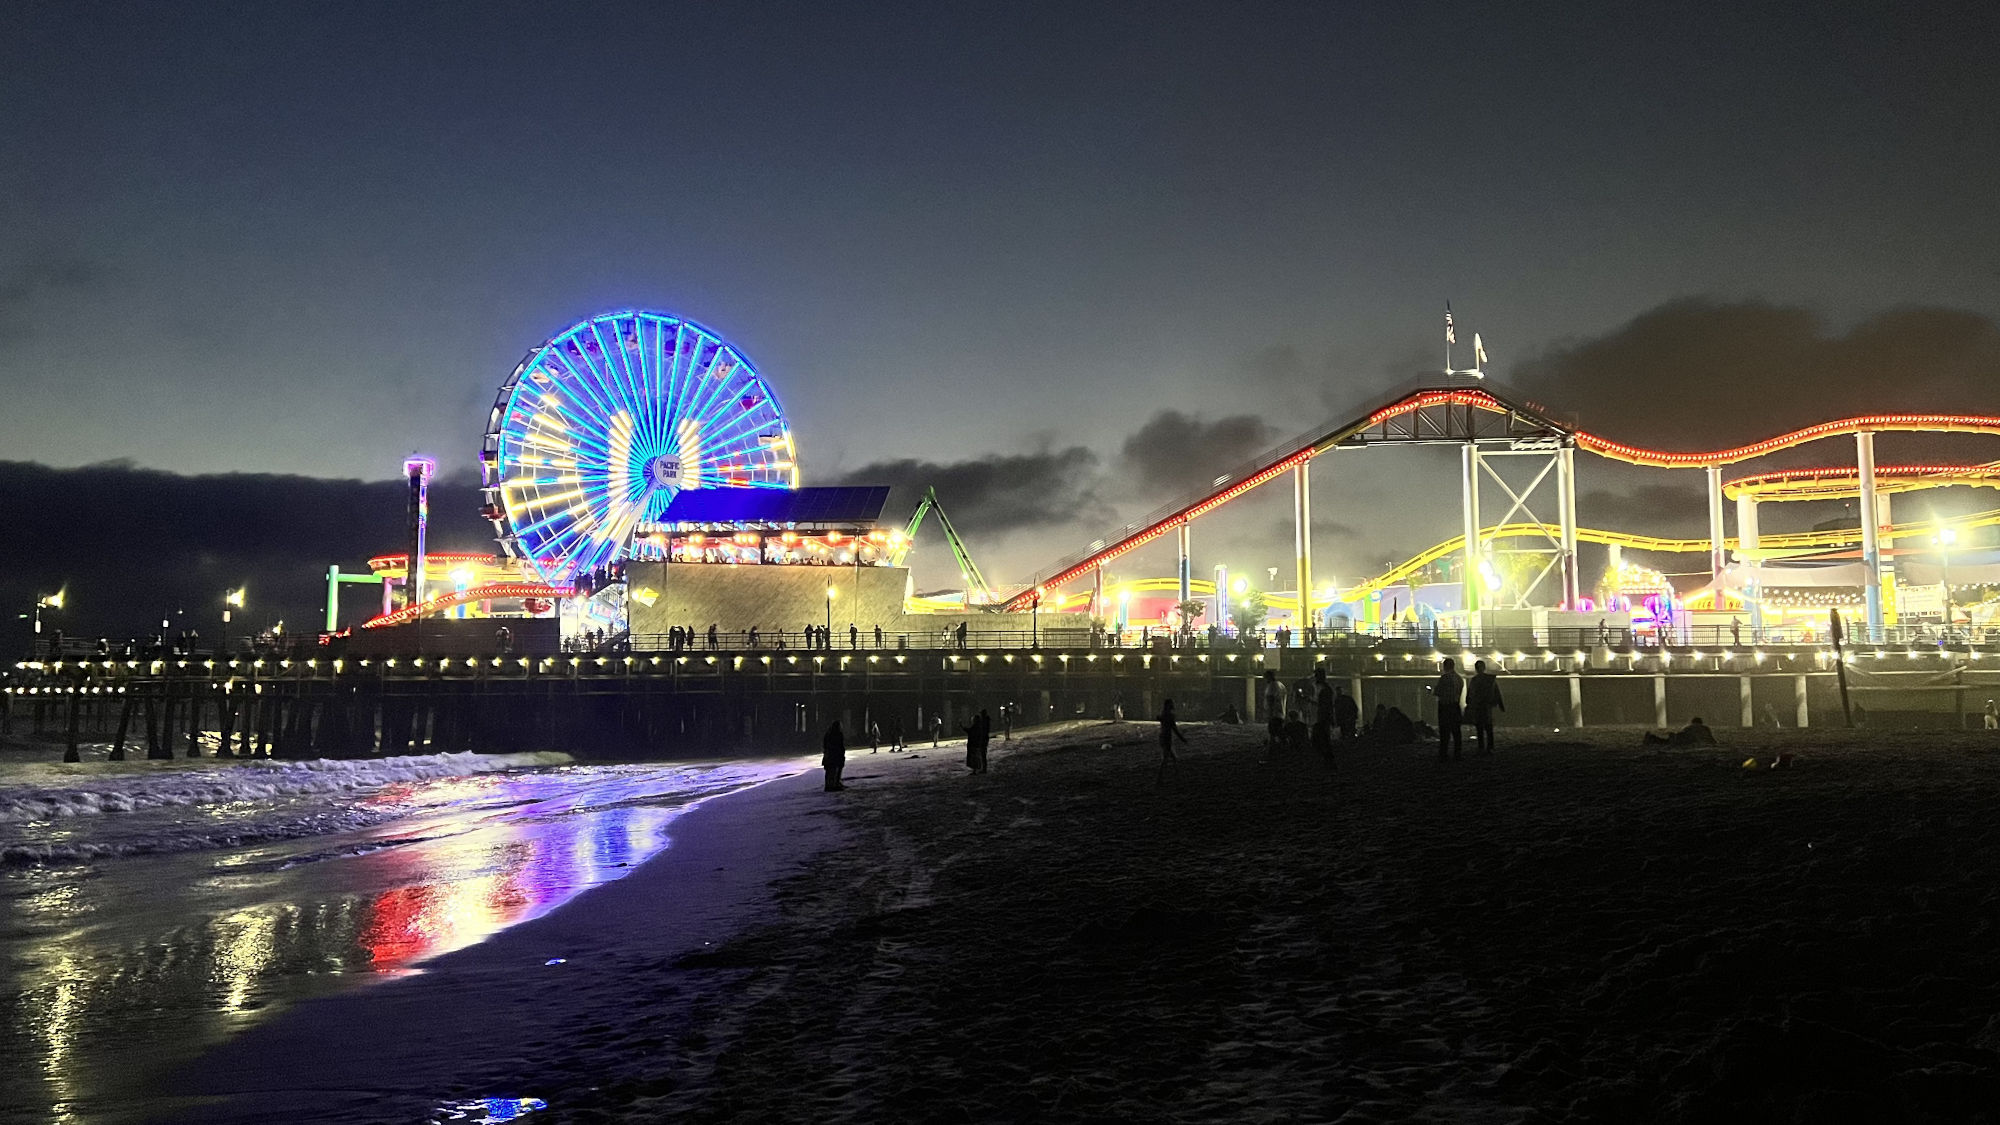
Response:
column 1576, row 929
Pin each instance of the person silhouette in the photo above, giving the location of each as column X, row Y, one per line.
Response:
column 833, row 756
column 1450, row 692
column 1169, row 730
column 1482, row 695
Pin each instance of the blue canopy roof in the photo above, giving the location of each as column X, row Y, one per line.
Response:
column 818, row 507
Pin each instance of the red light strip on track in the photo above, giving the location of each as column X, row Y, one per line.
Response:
column 1884, row 475
column 398, row 562
column 1928, row 423
column 410, row 613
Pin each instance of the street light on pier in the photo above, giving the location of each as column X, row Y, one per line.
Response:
column 48, row 601
column 1945, row 537
column 231, row 600
column 831, row 593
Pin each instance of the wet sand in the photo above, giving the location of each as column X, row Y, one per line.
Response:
column 1576, row 929
column 1573, row 930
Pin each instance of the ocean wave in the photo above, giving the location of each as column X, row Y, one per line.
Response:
column 136, row 787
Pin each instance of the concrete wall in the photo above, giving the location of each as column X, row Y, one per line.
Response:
column 472, row 636
column 789, row 598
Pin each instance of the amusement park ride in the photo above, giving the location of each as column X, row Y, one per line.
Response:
column 600, row 427
column 1486, row 424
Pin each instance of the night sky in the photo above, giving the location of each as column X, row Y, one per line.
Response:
column 1057, row 260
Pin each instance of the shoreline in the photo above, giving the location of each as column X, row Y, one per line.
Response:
column 397, row 1049
column 1576, row 929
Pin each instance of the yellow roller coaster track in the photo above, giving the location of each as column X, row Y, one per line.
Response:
column 1767, row 545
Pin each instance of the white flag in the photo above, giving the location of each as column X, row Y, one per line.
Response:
column 1450, row 334
column 1478, row 351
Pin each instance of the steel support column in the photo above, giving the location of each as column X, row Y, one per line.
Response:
column 1566, row 502
column 1871, row 547
column 1302, row 550
column 1717, row 556
column 1470, row 511
column 1186, row 565
column 1747, row 542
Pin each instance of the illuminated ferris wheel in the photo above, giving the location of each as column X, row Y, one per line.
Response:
column 602, row 425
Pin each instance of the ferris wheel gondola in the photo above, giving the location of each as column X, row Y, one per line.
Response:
column 601, row 426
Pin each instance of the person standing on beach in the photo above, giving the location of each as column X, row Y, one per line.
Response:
column 1450, row 691
column 1482, row 695
column 1169, row 730
column 976, row 737
column 833, row 756
column 1346, row 714
column 1274, row 709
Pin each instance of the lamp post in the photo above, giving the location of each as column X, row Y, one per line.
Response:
column 1944, row 538
column 830, row 593
column 50, row 601
column 1035, row 620
column 231, row 600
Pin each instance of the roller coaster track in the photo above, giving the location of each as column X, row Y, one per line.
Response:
column 1766, row 545
column 455, row 598
column 1840, row 483
column 1465, row 401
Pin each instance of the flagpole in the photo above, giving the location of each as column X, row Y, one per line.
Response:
column 1447, row 337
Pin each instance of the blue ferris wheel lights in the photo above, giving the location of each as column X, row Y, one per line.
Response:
column 605, row 422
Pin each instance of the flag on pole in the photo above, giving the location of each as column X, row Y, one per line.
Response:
column 1478, row 351
column 1450, row 335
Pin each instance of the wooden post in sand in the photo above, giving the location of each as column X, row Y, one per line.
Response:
column 1799, row 697
column 71, row 753
column 1743, row 694
column 124, row 723
column 1659, row 699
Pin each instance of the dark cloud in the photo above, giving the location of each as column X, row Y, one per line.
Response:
column 1700, row 373
column 130, row 543
column 38, row 275
column 996, row 493
column 1175, row 452
column 1653, row 509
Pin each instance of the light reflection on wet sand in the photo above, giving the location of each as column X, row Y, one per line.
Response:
column 116, row 969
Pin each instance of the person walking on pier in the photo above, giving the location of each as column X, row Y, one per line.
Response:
column 853, row 636
column 1450, row 691
column 1169, row 730
column 961, row 636
column 833, row 756
column 878, row 636
column 1482, row 695
column 714, row 641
